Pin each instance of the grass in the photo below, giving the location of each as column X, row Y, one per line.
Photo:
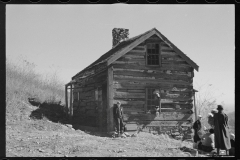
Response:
column 23, row 83
column 39, row 130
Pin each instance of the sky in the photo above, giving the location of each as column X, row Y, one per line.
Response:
column 64, row 39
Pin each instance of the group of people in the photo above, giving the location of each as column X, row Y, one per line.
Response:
column 218, row 136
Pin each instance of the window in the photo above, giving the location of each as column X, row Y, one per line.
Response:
column 153, row 54
column 151, row 100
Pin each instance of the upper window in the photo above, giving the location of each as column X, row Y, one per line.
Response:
column 153, row 54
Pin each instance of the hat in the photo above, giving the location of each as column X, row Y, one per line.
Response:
column 210, row 114
column 219, row 107
column 214, row 111
column 199, row 116
column 118, row 102
column 232, row 136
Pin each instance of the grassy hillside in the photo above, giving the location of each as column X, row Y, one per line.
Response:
column 41, row 129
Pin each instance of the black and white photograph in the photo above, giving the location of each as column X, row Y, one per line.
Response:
column 120, row 80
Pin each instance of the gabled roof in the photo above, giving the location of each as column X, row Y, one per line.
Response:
column 127, row 45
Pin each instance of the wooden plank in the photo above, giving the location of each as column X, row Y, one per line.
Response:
column 163, row 67
column 134, row 56
column 110, row 122
column 139, row 106
column 131, row 59
column 139, row 48
column 174, row 106
column 151, row 80
column 136, row 53
column 141, row 85
column 135, row 91
column 140, row 62
column 128, row 95
column 167, row 95
column 156, row 75
column 127, row 110
column 176, row 100
column 66, row 96
column 176, row 110
column 153, row 41
column 163, row 123
column 153, row 117
column 175, row 62
column 71, row 102
column 129, row 102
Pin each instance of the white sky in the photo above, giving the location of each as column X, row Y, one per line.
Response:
column 67, row 38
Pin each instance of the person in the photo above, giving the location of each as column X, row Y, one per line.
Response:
column 197, row 126
column 210, row 120
column 207, row 144
column 232, row 141
column 118, row 116
column 221, row 131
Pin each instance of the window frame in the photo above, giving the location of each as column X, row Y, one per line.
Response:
column 159, row 54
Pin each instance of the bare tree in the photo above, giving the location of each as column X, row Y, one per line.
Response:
column 206, row 100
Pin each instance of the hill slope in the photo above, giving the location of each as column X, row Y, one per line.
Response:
column 41, row 129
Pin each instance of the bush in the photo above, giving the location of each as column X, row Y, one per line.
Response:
column 22, row 82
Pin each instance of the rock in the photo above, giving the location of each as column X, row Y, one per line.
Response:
column 40, row 150
column 127, row 134
column 134, row 135
column 123, row 136
column 69, row 125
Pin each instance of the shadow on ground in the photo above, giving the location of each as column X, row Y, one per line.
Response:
column 54, row 112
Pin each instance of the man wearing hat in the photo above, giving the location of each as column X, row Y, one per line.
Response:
column 118, row 116
column 197, row 126
column 221, row 131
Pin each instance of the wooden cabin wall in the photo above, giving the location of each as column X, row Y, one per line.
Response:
column 89, row 101
column 174, row 78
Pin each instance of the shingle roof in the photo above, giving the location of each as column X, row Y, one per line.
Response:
column 115, row 50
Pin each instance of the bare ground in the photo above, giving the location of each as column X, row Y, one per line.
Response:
column 26, row 137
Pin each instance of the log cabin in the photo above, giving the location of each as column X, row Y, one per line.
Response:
column 131, row 72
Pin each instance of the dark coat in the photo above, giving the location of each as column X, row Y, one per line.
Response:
column 118, row 112
column 197, row 127
column 221, row 131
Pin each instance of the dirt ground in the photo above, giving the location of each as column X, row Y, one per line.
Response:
column 26, row 137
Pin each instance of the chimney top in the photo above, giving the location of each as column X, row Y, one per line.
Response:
column 118, row 35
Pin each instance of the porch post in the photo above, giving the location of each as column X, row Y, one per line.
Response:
column 195, row 109
column 66, row 95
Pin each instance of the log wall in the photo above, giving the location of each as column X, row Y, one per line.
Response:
column 174, row 78
column 89, row 103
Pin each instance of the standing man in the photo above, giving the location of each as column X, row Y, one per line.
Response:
column 118, row 116
column 221, row 130
column 197, row 126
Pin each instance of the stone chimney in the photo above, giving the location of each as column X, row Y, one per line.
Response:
column 119, row 34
